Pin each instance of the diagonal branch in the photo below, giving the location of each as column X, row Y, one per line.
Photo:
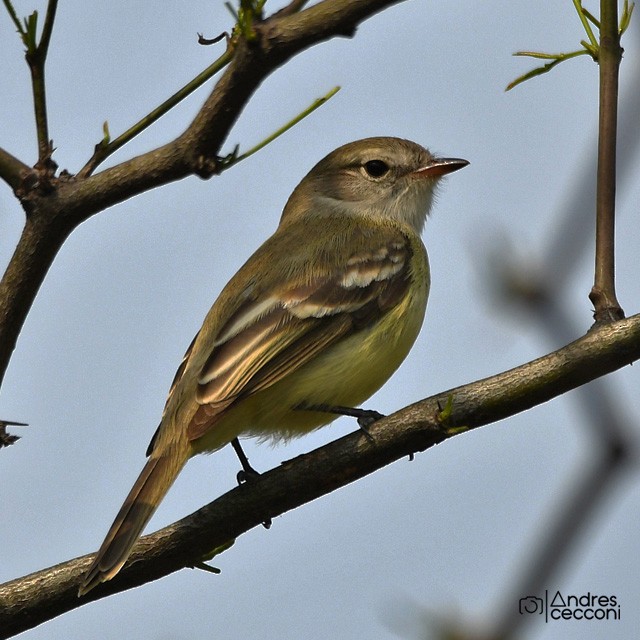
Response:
column 13, row 171
column 106, row 147
column 59, row 207
column 29, row 601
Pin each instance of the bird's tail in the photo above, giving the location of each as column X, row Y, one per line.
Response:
column 152, row 484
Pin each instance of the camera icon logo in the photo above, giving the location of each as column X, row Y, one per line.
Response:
column 531, row 604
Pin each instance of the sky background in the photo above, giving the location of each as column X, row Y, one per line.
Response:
column 444, row 535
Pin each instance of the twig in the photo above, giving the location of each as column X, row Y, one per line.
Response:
column 14, row 18
column 106, row 146
column 585, row 18
column 603, row 293
column 588, row 48
column 36, row 57
column 234, row 158
column 555, row 59
column 612, row 446
column 47, row 29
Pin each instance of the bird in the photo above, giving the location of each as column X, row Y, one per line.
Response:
column 315, row 321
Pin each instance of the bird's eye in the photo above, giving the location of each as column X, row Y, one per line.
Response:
column 376, row 168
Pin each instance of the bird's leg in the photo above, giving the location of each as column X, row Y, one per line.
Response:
column 365, row 417
column 247, row 473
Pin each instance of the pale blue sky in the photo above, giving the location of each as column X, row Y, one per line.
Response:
column 446, row 533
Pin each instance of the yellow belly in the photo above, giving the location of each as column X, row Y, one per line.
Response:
column 346, row 374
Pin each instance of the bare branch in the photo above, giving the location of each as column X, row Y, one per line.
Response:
column 45, row 39
column 13, row 171
column 14, row 17
column 36, row 57
column 603, row 293
column 29, row 601
column 106, row 147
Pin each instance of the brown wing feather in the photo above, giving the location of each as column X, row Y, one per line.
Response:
column 291, row 328
column 174, row 384
column 232, row 364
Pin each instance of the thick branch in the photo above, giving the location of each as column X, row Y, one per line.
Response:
column 36, row 250
column 13, row 171
column 29, row 601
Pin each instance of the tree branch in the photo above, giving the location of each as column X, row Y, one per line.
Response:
column 612, row 445
column 107, row 147
column 36, row 250
column 47, row 30
column 603, row 293
column 13, row 171
column 36, row 59
column 29, row 601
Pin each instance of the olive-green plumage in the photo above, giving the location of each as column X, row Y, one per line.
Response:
column 321, row 314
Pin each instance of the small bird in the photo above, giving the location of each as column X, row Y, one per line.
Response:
column 316, row 320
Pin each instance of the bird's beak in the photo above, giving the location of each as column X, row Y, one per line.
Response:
column 440, row 167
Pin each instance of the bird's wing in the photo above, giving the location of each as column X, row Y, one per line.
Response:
column 174, row 384
column 270, row 337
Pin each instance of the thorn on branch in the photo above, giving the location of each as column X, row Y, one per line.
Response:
column 7, row 439
column 207, row 41
column 203, row 566
column 206, row 167
column 224, row 162
column 46, row 169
